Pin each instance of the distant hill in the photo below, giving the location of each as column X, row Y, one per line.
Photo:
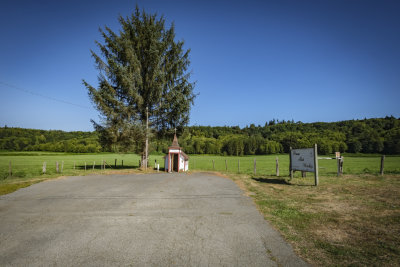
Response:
column 377, row 135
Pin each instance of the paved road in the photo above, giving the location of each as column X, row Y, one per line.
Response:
column 137, row 220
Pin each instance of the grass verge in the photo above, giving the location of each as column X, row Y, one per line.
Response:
column 12, row 184
column 352, row 220
column 9, row 187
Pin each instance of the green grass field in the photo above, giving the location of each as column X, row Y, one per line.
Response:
column 29, row 164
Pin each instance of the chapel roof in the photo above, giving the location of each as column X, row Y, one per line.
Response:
column 175, row 145
column 175, row 142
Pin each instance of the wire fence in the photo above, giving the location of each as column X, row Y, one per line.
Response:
column 33, row 166
column 279, row 164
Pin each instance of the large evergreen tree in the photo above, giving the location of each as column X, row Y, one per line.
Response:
column 141, row 68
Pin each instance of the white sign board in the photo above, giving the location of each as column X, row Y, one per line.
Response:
column 303, row 159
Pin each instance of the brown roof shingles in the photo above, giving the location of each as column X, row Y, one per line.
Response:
column 175, row 143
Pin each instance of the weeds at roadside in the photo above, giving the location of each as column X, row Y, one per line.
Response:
column 351, row 220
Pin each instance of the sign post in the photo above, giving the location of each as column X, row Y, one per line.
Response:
column 316, row 164
column 290, row 164
column 305, row 160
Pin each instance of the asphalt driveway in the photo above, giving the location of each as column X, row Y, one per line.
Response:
column 137, row 220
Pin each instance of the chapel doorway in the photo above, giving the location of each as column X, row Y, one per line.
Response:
column 175, row 162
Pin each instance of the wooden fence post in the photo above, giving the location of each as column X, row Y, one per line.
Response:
column 238, row 165
column 57, row 169
column 255, row 166
column 382, row 163
column 316, row 164
column 226, row 166
column 44, row 168
column 10, row 169
column 339, row 166
column 303, row 174
column 290, row 164
column 277, row 166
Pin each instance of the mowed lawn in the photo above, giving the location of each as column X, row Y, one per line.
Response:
column 352, row 220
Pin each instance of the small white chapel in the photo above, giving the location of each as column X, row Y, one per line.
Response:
column 176, row 160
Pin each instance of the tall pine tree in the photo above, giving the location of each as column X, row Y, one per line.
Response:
column 140, row 68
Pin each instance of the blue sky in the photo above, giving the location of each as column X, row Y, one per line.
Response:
column 252, row 60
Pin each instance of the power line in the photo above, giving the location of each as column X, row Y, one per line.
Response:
column 41, row 95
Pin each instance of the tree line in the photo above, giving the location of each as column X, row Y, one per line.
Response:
column 378, row 135
column 19, row 139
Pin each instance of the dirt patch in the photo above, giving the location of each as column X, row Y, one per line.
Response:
column 331, row 233
column 56, row 178
column 217, row 174
column 332, row 205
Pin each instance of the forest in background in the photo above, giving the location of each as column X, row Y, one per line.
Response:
column 377, row 135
